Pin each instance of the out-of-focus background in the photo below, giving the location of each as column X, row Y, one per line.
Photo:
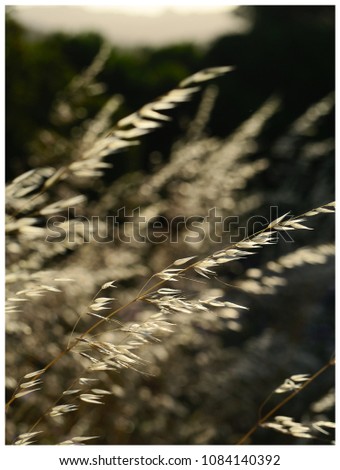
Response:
column 258, row 137
column 284, row 50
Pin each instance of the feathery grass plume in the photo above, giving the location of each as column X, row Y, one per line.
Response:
column 144, row 359
column 118, row 354
column 239, row 250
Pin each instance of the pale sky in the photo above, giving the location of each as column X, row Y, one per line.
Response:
column 149, row 7
column 145, row 7
column 128, row 24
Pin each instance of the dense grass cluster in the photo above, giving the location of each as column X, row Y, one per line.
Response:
column 129, row 321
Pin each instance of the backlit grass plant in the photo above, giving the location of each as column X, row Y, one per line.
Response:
column 145, row 326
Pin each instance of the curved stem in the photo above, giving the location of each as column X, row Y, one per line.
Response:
column 80, row 337
column 141, row 296
column 284, row 401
